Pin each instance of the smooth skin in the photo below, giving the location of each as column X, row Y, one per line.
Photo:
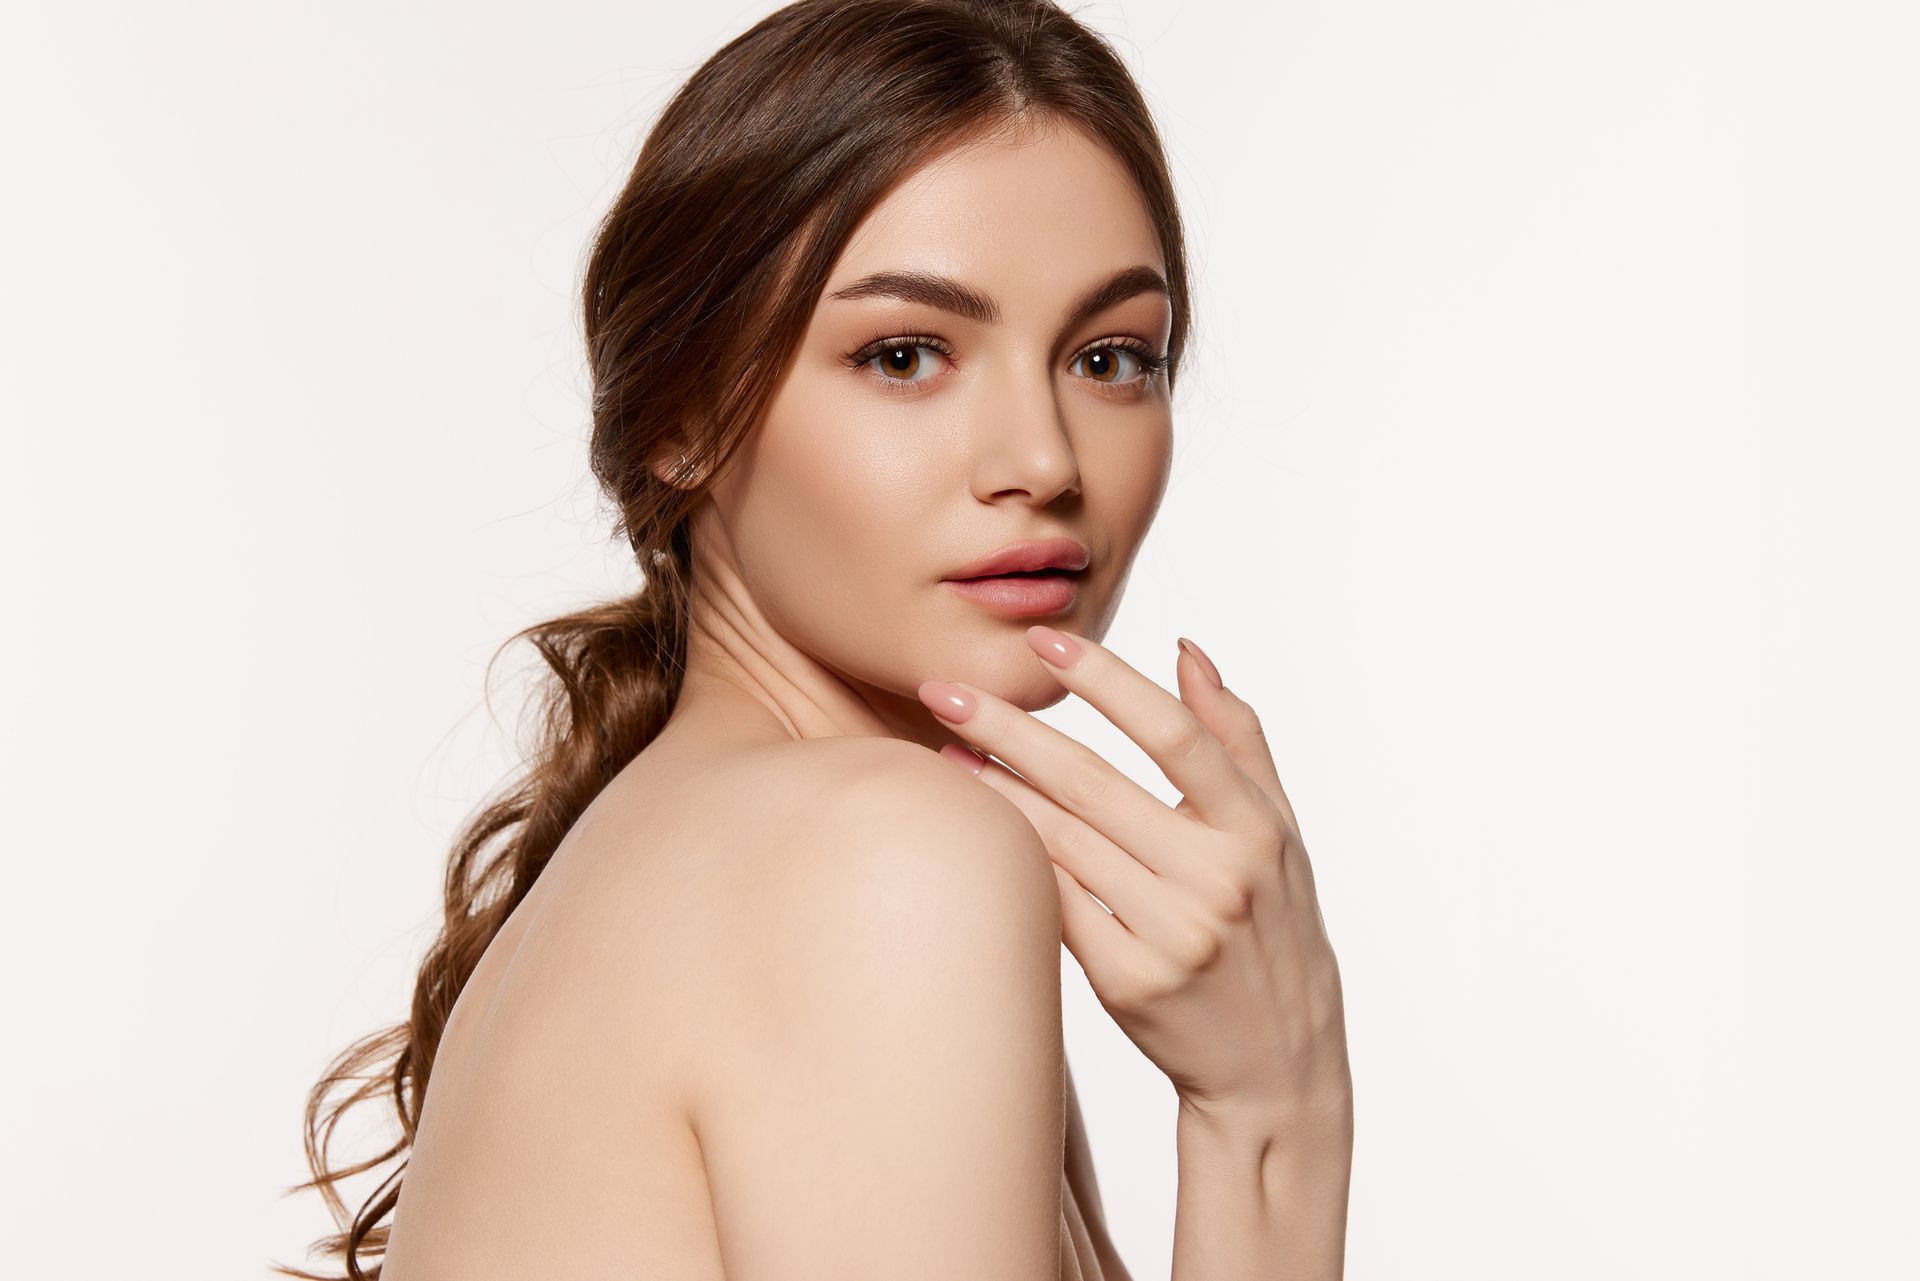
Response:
column 785, row 1003
column 1211, row 953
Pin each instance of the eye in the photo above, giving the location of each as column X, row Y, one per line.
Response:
column 1106, row 360
column 902, row 362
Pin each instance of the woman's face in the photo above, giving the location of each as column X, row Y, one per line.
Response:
column 912, row 437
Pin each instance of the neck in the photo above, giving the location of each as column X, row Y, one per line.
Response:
column 746, row 684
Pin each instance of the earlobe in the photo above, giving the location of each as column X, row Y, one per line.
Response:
column 674, row 470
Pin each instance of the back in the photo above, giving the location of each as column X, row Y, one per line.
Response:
column 791, row 1014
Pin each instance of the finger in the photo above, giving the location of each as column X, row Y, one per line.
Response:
column 1109, row 954
column 1233, row 722
column 1172, row 734
column 1147, row 905
column 1069, row 772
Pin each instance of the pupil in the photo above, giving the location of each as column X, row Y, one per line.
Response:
column 900, row 360
column 1102, row 360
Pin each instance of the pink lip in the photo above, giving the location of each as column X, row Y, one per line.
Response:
column 1028, row 554
column 1021, row 597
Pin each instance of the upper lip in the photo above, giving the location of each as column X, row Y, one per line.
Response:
column 1030, row 554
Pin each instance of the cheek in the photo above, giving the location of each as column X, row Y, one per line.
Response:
column 830, row 526
column 834, row 482
column 1126, row 472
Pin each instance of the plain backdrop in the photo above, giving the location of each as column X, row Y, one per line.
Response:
column 1544, row 475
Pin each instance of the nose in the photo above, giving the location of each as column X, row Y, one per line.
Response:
column 1022, row 443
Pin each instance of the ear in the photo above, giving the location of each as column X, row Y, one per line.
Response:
column 667, row 466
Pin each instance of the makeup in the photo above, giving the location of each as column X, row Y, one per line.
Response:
column 1022, row 595
column 1025, row 579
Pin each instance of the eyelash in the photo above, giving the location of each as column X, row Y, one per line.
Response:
column 1153, row 362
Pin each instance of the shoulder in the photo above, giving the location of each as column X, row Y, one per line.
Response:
column 879, row 835
column 785, row 879
column 868, row 797
column 778, row 847
column 879, row 1078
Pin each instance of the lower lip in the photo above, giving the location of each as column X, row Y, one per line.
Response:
column 1020, row 597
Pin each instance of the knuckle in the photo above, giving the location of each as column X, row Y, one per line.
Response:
column 1195, row 948
column 1084, row 785
column 1231, row 895
column 1070, row 839
column 1139, row 987
column 1178, row 739
column 1266, row 832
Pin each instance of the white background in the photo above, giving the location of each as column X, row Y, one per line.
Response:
column 1545, row 477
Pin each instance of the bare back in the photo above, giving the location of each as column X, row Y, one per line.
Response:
column 557, row 1136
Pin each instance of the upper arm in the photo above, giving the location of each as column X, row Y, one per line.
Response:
column 884, row 1092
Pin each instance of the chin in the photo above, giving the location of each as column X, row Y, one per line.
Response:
column 1032, row 695
column 1058, row 695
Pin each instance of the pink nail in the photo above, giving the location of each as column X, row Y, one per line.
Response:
column 947, row 701
column 1206, row 664
column 965, row 757
column 1057, row 648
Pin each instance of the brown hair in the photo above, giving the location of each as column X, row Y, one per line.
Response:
column 701, row 281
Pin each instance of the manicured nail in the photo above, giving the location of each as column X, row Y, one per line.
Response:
column 1057, row 648
column 947, row 701
column 1206, row 664
column 965, row 757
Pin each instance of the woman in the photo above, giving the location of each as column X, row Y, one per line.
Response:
column 743, row 979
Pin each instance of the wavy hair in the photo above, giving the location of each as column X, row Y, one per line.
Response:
column 699, row 285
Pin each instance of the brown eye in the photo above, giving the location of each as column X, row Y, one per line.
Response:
column 904, row 362
column 1103, row 364
column 1108, row 363
column 900, row 362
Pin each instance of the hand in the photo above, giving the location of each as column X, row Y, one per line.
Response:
column 1214, row 959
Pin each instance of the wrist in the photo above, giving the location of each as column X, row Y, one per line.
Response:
column 1313, row 1089
column 1299, row 1155
column 1322, row 1117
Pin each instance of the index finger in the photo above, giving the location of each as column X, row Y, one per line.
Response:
column 1167, row 730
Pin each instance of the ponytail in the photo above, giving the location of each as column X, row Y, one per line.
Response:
column 700, row 285
column 614, row 672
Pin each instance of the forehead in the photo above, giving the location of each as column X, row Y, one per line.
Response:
column 1034, row 215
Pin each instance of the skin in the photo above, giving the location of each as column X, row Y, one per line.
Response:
column 818, row 562
column 818, row 606
column 825, row 656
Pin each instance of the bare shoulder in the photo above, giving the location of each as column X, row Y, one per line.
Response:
column 685, row 884
column 869, row 805
column 871, row 843
column 880, row 1083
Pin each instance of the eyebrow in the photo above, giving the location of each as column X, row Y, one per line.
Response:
column 948, row 294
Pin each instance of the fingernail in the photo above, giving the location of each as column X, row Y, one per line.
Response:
column 947, row 701
column 1057, row 648
column 1206, row 664
column 965, row 757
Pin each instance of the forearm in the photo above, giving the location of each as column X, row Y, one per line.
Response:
column 1263, row 1197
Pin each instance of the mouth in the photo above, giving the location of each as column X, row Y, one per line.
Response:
column 1022, row 593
